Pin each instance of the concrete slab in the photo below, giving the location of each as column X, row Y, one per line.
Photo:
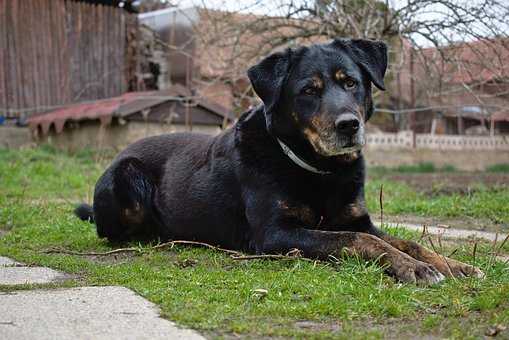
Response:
column 7, row 262
column 84, row 313
column 29, row 275
column 451, row 232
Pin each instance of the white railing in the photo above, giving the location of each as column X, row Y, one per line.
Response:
column 405, row 139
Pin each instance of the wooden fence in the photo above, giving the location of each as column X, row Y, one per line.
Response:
column 54, row 52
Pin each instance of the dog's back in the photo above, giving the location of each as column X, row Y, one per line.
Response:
column 167, row 187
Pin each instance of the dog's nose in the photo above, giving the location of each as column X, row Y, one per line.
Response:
column 347, row 124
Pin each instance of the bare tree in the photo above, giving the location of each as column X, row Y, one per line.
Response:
column 426, row 38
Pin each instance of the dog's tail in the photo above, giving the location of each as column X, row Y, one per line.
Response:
column 85, row 212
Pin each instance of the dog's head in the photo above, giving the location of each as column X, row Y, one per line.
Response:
column 321, row 93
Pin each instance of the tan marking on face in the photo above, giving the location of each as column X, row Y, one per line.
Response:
column 360, row 112
column 312, row 137
column 339, row 75
column 317, row 82
column 316, row 142
column 318, row 123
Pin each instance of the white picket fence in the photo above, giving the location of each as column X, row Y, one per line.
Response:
column 405, row 140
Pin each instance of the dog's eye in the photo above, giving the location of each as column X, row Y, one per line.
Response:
column 310, row 91
column 350, row 84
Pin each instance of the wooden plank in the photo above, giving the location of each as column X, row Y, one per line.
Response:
column 17, row 51
column 104, row 51
column 87, row 38
column 41, row 58
column 63, row 54
column 82, row 68
column 99, row 65
column 122, row 52
column 44, row 51
column 11, row 55
column 98, row 45
column 57, row 60
column 24, row 43
column 89, row 82
column 66, row 52
column 37, row 45
column 76, row 49
column 119, row 51
column 84, row 55
column 107, row 48
column 52, row 54
column 95, row 59
column 31, row 54
column 115, row 52
column 4, row 105
column 115, row 56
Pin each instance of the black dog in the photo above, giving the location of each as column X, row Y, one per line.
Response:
column 289, row 174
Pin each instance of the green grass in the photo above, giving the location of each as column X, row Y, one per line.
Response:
column 502, row 167
column 399, row 198
column 424, row 167
column 214, row 294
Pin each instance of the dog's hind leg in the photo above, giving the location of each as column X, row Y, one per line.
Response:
column 123, row 203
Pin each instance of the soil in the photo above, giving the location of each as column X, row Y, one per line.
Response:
column 462, row 183
column 2, row 232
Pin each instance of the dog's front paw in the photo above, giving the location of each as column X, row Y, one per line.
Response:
column 409, row 270
column 450, row 267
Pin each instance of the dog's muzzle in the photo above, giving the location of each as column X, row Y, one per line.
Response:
column 347, row 125
column 349, row 133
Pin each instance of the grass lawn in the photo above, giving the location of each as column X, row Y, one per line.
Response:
column 219, row 296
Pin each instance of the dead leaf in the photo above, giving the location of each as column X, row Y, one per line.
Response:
column 494, row 330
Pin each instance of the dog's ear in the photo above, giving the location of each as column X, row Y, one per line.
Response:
column 370, row 55
column 267, row 78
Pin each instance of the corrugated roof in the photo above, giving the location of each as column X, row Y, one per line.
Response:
column 121, row 106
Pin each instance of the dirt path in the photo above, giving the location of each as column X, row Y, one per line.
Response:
column 462, row 183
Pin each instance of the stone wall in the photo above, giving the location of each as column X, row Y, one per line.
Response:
column 467, row 160
column 13, row 137
column 116, row 136
column 469, row 153
column 405, row 140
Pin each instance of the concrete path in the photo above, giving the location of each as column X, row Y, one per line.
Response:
column 84, row 313
column 451, row 232
column 14, row 273
column 76, row 313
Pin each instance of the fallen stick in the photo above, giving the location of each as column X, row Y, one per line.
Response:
column 169, row 244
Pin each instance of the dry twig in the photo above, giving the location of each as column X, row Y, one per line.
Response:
column 169, row 244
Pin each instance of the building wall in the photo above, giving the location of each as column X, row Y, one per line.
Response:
column 13, row 137
column 115, row 137
column 466, row 160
